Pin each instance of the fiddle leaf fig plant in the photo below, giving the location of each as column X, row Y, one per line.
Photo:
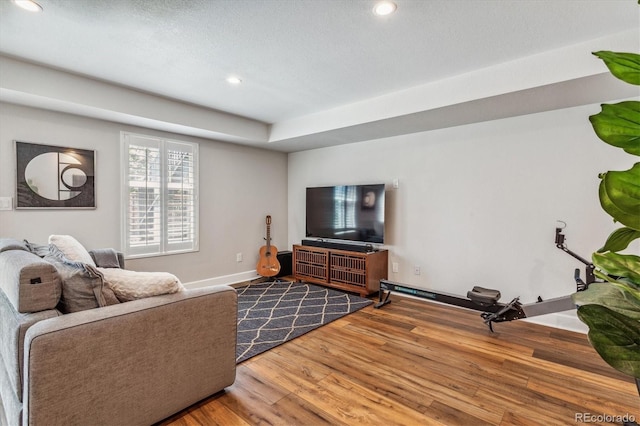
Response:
column 611, row 309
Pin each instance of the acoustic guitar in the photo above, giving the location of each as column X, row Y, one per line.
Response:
column 268, row 265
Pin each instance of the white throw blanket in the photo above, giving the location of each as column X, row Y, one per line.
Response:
column 131, row 285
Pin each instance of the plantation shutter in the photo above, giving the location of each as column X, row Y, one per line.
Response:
column 180, row 196
column 160, row 195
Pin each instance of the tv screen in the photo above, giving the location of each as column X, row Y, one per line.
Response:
column 348, row 212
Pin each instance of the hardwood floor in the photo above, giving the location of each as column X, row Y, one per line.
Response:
column 414, row 362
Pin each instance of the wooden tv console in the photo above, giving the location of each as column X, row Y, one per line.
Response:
column 351, row 271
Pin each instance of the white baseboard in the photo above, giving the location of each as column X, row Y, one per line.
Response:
column 223, row 280
column 567, row 320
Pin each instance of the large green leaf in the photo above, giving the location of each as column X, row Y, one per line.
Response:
column 622, row 298
column 614, row 336
column 619, row 265
column 619, row 125
column 625, row 66
column 620, row 240
column 625, row 218
column 621, row 281
column 623, row 188
column 620, row 196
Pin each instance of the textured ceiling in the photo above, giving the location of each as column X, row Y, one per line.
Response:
column 296, row 57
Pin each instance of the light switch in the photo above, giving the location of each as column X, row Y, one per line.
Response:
column 6, row 203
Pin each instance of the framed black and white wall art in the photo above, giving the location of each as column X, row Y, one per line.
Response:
column 50, row 177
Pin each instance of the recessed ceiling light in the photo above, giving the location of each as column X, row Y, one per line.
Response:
column 384, row 8
column 29, row 5
column 234, row 80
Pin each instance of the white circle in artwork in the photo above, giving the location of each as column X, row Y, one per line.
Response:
column 41, row 174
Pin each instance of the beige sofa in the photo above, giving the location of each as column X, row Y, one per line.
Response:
column 132, row 363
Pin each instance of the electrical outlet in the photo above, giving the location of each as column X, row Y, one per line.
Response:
column 6, row 203
column 238, row 257
column 394, row 266
column 416, row 270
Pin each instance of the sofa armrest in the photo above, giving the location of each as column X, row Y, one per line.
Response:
column 134, row 363
column 31, row 284
column 107, row 258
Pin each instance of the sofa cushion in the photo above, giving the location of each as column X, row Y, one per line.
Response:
column 82, row 284
column 105, row 258
column 30, row 283
column 7, row 244
column 71, row 248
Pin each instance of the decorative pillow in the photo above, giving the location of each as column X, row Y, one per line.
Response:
column 131, row 285
column 71, row 248
column 110, row 297
column 40, row 250
column 82, row 284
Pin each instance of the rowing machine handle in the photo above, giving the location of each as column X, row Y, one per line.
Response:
column 581, row 286
column 559, row 238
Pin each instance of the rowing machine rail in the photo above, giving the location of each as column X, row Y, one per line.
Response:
column 491, row 312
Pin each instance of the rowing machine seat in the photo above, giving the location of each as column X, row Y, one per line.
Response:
column 484, row 296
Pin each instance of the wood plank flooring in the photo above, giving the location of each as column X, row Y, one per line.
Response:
column 414, row 362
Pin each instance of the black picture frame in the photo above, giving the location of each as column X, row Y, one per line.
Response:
column 54, row 177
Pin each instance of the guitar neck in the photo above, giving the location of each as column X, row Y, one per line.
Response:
column 268, row 237
column 268, row 223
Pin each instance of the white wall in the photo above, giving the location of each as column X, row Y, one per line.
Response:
column 478, row 204
column 239, row 186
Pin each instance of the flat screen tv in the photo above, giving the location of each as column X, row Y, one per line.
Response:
column 347, row 212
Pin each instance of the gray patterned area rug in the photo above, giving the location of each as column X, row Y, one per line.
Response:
column 272, row 313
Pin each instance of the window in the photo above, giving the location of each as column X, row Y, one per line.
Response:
column 160, row 195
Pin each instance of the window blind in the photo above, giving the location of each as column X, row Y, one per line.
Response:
column 160, row 194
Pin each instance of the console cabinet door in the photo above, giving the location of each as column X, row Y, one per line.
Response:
column 311, row 264
column 349, row 269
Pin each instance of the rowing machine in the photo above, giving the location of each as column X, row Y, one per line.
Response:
column 487, row 300
column 481, row 299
